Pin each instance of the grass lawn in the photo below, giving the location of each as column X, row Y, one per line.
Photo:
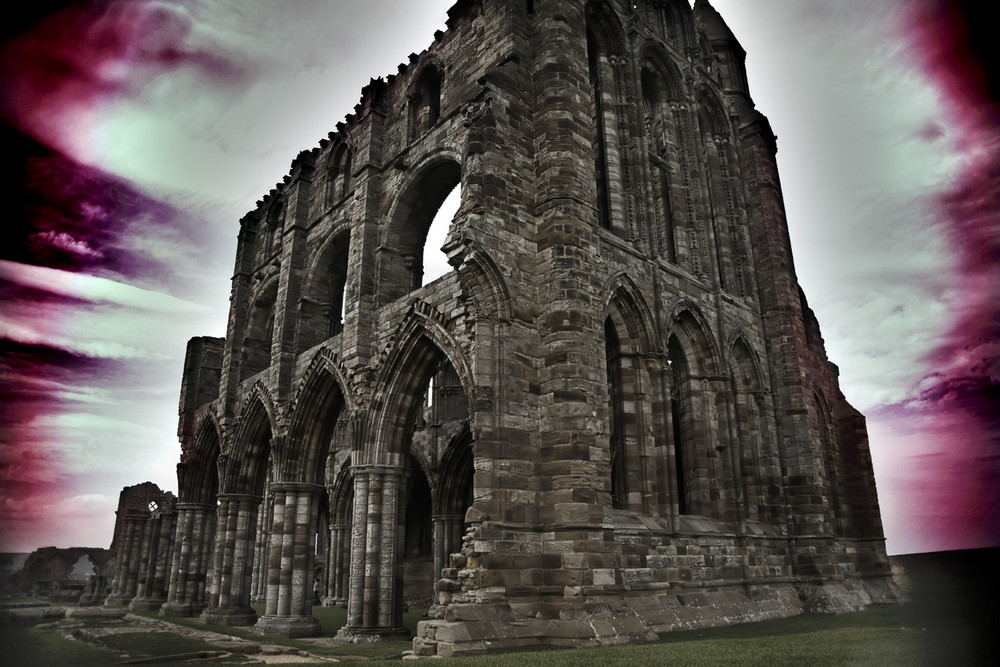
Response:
column 877, row 636
column 872, row 637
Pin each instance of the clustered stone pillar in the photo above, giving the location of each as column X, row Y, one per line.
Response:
column 338, row 564
column 290, row 561
column 157, row 548
column 229, row 599
column 372, row 609
column 191, row 554
column 126, row 578
column 447, row 538
column 260, row 550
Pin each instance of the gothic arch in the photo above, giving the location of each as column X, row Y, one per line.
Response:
column 700, row 461
column 453, row 491
column 421, row 346
column 829, row 452
column 748, row 419
column 693, row 332
column 629, row 343
column 482, row 280
column 427, row 185
column 658, row 63
column 626, row 306
column 338, row 173
column 424, row 107
column 606, row 51
column 249, row 460
column 319, row 407
column 671, row 20
column 712, row 113
column 269, row 235
column 197, row 473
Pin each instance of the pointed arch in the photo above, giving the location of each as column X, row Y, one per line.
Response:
column 712, row 113
column 197, row 473
column 696, row 436
column 606, row 42
column 249, row 461
column 700, row 353
column 338, row 173
column 313, row 424
column 629, row 311
column 830, row 455
column 483, row 282
column 748, row 423
column 420, row 347
column 424, row 107
column 629, row 343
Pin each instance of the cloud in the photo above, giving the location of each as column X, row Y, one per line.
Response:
column 94, row 289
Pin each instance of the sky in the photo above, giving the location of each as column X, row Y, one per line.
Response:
column 143, row 130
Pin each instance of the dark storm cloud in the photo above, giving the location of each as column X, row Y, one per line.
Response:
column 956, row 48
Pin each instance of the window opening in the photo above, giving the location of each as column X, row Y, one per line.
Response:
column 435, row 262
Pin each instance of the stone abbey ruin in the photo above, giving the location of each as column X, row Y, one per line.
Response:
column 613, row 417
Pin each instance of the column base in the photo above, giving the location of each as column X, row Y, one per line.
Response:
column 289, row 627
column 228, row 616
column 117, row 601
column 145, row 605
column 364, row 635
column 181, row 609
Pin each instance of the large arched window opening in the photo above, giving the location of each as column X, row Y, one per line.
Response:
column 606, row 72
column 435, row 262
column 322, row 306
column 255, row 352
column 613, row 352
column 401, row 256
column 746, row 391
column 720, row 159
column 839, row 503
column 659, row 130
column 682, row 425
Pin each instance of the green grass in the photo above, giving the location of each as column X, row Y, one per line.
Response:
column 878, row 636
column 154, row 644
column 42, row 645
column 872, row 637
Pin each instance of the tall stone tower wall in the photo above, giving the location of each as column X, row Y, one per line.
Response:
column 613, row 417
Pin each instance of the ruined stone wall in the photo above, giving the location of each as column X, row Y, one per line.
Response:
column 613, row 417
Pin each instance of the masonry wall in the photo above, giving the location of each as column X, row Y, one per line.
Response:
column 612, row 418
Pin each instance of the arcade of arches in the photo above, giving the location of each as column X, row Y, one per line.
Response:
column 612, row 417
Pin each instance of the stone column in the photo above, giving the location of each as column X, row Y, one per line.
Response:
column 189, row 564
column 372, row 607
column 152, row 590
column 290, row 564
column 123, row 586
column 261, row 550
column 229, row 602
column 340, row 561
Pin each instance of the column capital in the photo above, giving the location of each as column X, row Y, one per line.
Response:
column 237, row 497
column 195, row 506
column 381, row 468
column 297, row 486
